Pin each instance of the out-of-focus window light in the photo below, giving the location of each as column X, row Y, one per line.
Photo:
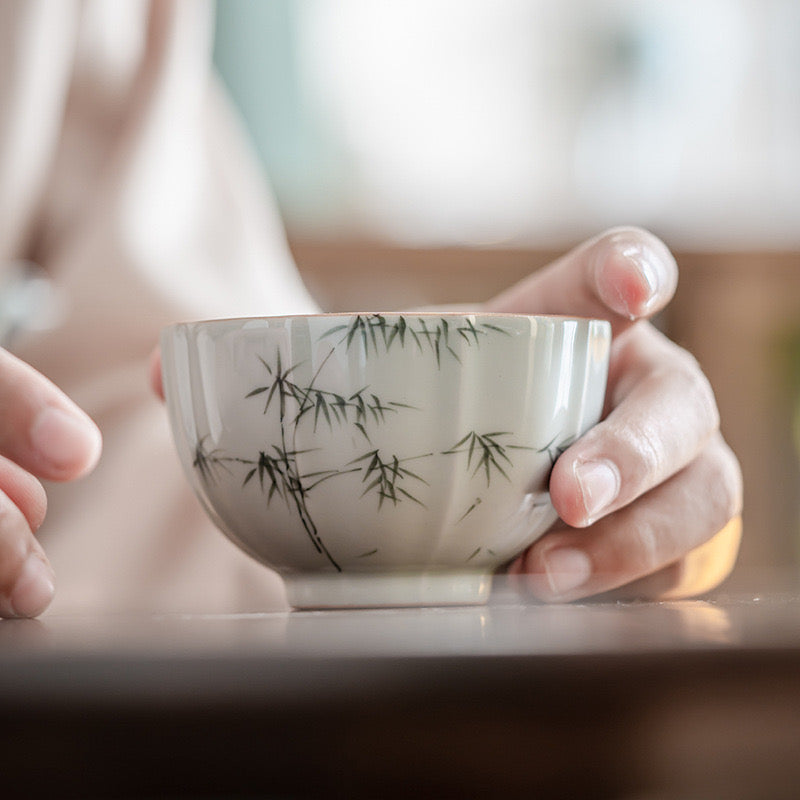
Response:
column 487, row 121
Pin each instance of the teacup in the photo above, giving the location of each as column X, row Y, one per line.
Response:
column 381, row 459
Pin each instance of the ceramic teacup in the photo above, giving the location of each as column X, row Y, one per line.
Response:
column 381, row 459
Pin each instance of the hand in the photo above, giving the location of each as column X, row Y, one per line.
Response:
column 42, row 435
column 650, row 498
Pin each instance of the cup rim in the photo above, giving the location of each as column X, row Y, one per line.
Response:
column 427, row 313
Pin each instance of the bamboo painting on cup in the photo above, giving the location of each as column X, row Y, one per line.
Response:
column 381, row 459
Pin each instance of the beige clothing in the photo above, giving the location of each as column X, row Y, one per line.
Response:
column 125, row 174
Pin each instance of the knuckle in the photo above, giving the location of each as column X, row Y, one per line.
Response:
column 645, row 452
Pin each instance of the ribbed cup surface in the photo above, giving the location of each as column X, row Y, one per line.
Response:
column 381, row 442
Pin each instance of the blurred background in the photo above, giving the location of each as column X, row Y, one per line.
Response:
column 431, row 151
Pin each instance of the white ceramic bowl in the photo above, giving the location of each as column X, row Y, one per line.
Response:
column 381, row 459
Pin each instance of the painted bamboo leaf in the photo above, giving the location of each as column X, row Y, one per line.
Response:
column 474, row 505
column 485, row 453
column 554, row 450
column 209, row 462
column 429, row 334
column 385, row 478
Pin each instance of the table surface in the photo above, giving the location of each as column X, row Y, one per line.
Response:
column 665, row 698
column 510, row 624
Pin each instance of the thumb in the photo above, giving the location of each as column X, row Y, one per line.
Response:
column 623, row 275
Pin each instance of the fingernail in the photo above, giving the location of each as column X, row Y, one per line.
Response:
column 566, row 568
column 66, row 440
column 598, row 482
column 645, row 262
column 634, row 291
column 34, row 588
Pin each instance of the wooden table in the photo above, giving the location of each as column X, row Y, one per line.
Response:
column 696, row 699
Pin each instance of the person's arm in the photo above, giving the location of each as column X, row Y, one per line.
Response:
column 649, row 498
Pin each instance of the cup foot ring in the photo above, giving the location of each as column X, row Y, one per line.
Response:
column 386, row 590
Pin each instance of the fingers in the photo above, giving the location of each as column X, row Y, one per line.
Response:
column 643, row 491
column 663, row 414
column 26, row 578
column 44, row 434
column 622, row 275
column 24, row 491
column 698, row 572
column 643, row 538
column 40, row 428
